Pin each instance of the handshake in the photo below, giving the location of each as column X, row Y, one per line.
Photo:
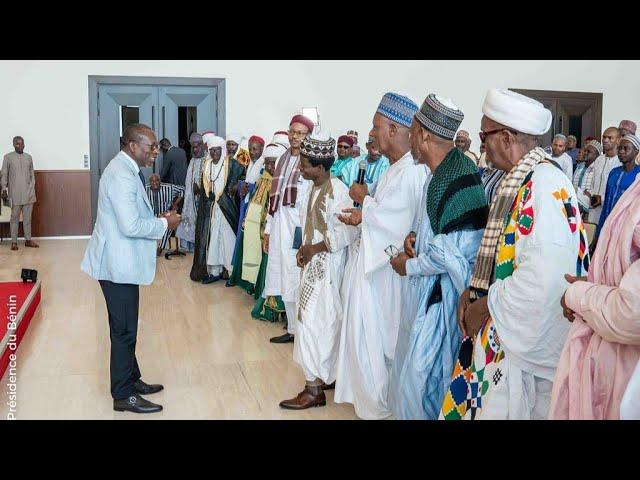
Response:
column 173, row 219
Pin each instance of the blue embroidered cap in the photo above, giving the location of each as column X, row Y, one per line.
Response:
column 397, row 108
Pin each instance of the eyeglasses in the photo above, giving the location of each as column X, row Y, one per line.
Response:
column 152, row 146
column 344, row 147
column 392, row 251
column 297, row 134
column 484, row 135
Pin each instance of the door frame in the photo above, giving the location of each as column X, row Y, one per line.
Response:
column 95, row 81
column 594, row 97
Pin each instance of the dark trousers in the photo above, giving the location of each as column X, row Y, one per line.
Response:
column 122, row 304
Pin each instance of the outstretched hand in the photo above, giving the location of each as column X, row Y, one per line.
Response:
column 173, row 219
column 351, row 216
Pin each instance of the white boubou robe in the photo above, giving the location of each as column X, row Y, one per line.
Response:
column 283, row 274
column 319, row 306
column 525, row 306
column 222, row 239
column 372, row 291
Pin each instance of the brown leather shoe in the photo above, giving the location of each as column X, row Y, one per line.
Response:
column 14, row 246
column 309, row 397
column 329, row 387
column 31, row 244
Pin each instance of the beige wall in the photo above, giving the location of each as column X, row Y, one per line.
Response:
column 47, row 101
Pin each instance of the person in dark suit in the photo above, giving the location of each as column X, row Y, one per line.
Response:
column 121, row 255
column 174, row 163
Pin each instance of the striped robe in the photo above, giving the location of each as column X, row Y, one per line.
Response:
column 162, row 203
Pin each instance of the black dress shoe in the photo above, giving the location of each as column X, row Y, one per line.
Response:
column 286, row 338
column 210, row 279
column 229, row 284
column 331, row 386
column 136, row 404
column 146, row 389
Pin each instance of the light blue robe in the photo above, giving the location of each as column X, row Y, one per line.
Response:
column 428, row 341
column 372, row 175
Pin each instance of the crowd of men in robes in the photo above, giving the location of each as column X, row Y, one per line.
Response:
column 423, row 281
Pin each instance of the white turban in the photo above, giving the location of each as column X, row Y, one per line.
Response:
column 235, row 137
column 281, row 138
column 206, row 137
column 214, row 141
column 516, row 111
column 273, row 151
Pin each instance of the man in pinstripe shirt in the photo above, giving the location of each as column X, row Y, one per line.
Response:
column 163, row 197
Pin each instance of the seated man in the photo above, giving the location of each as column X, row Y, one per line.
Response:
column 163, row 197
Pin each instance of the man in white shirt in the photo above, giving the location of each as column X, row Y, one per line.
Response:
column 560, row 156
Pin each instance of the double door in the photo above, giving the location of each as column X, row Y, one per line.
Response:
column 172, row 112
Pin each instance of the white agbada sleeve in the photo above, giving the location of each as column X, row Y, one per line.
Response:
column 388, row 216
column 338, row 234
column 525, row 307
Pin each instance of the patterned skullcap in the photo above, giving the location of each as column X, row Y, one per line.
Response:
column 318, row 149
column 463, row 134
column 635, row 141
column 595, row 144
column 397, row 108
column 353, row 133
column 629, row 125
column 440, row 116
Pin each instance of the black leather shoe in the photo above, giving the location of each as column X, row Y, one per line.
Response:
column 146, row 389
column 136, row 404
column 331, row 386
column 286, row 338
column 210, row 279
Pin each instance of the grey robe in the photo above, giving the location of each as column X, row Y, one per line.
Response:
column 18, row 178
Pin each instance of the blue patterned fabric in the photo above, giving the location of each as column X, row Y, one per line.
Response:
column 397, row 108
